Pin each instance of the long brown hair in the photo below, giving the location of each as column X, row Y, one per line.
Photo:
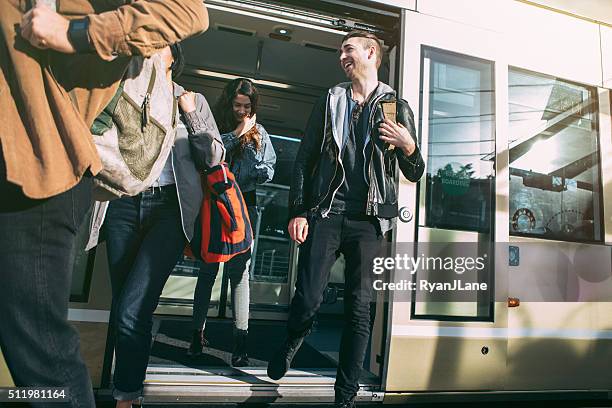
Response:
column 224, row 112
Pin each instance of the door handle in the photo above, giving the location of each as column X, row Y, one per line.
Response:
column 405, row 215
column 514, row 302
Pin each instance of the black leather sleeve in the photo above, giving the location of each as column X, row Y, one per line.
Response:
column 413, row 166
column 305, row 161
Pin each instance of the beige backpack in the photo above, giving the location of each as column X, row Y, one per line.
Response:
column 135, row 132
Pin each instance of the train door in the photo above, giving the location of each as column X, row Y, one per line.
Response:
column 511, row 130
column 441, row 340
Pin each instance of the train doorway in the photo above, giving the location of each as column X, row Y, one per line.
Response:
column 291, row 54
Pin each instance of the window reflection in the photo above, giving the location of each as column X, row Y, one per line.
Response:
column 271, row 260
column 272, row 245
column 461, row 142
column 554, row 158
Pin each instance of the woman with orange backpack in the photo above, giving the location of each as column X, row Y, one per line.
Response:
column 251, row 158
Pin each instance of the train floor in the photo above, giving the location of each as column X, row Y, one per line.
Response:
column 265, row 337
column 175, row 380
column 173, row 376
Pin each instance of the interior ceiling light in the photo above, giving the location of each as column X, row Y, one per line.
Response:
column 222, row 75
column 282, row 30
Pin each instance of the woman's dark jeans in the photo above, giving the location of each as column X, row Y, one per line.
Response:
column 144, row 240
column 37, row 254
column 237, row 269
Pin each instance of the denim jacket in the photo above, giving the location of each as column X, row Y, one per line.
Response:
column 250, row 167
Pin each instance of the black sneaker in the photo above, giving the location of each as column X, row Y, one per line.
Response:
column 198, row 342
column 281, row 361
column 239, row 355
column 349, row 403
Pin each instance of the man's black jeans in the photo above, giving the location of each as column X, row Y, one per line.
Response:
column 359, row 239
column 144, row 240
column 37, row 253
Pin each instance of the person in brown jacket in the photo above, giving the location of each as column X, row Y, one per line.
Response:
column 59, row 69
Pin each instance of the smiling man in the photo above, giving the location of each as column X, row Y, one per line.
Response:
column 343, row 199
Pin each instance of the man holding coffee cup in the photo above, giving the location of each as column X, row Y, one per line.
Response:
column 343, row 199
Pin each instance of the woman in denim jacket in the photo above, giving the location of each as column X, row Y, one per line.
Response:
column 251, row 158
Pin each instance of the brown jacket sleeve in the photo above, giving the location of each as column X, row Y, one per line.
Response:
column 145, row 26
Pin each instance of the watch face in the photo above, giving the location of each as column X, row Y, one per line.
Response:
column 523, row 220
column 80, row 24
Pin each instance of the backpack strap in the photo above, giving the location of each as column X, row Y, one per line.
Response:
column 147, row 100
column 174, row 112
column 104, row 121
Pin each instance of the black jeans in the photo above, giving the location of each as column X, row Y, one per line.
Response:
column 37, row 254
column 144, row 241
column 360, row 240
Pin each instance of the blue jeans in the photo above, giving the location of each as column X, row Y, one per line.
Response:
column 37, row 253
column 144, row 240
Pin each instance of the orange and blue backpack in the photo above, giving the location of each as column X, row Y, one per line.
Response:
column 223, row 229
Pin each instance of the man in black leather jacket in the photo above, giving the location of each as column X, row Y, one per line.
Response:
column 343, row 199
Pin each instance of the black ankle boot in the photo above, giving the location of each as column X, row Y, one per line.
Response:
column 198, row 342
column 281, row 361
column 239, row 355
column 349, row 403
column 345, row 403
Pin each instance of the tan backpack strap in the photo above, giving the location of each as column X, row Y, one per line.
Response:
column 152, row 79
column 174, row 111
column 147, row 99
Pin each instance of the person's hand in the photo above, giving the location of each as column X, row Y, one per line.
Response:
column 45, row 29
column 298, row 229
column 187, row 102
column 245, row 125
column 397, row 135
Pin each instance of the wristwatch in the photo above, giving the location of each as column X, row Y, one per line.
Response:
column 78, row 35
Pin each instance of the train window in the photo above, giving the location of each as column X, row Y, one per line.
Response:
column 461, row 142
column 554, row 159
column 459, row 112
